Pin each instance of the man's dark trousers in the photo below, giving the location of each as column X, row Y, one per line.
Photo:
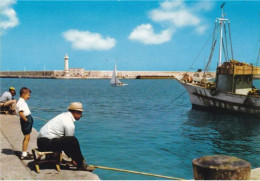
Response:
column 68, row 144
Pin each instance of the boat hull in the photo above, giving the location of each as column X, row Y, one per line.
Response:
column 203, row 97
column 118, row 85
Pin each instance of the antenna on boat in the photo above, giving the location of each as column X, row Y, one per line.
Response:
column 222, row 9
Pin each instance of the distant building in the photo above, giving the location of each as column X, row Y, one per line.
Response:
column 76, row 72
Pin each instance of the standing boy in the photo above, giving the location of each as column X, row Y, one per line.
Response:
column 26, row 120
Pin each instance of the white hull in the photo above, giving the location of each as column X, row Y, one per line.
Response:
column 200, row 96
column 118, row 85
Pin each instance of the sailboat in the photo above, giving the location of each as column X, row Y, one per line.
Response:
column 232, row 90
column 115, row 81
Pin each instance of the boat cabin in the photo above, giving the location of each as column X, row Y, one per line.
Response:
column 236, row 77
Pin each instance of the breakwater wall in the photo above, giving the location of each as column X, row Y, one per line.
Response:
column 27, row 74
column 94, row 74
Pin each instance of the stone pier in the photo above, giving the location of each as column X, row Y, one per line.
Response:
column 12, row 168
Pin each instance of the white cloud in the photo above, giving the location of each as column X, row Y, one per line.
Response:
column 178, row 18
column 175, row 14
column 203, row 6
column 201, row 29
column 145, row 34
column 85, row 40
column 7, row 15
column 171, row 4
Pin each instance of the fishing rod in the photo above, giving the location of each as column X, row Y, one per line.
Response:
column 137, row 172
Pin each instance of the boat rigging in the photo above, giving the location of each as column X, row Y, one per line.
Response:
column 233, row 88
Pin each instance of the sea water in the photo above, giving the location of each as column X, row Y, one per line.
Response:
column 142, row 126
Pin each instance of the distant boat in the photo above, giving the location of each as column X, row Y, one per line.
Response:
column 232, row 89
column 115, row 81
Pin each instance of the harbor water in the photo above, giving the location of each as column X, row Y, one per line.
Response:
column 139, row 127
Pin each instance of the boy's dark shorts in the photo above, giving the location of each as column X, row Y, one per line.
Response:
column 26, row 126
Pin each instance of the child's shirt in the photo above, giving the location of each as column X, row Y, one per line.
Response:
column 22, row 106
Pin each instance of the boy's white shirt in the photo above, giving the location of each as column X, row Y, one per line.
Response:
column 22, row 106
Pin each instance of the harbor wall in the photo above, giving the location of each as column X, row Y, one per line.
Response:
column 25, row 74
column 96, row 74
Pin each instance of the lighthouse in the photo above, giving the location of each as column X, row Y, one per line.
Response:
column 66, row 65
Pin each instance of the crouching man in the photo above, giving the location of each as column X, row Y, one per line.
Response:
column 58, row 135
column 7, row 100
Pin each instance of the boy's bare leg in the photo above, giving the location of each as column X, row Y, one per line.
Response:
column 25, row 142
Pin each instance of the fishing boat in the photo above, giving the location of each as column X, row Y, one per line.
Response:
column 232, row 90
column 115, row 81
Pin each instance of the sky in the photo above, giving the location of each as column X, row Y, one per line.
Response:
column 136, row 35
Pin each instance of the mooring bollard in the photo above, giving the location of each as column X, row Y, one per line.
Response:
column 220, row 167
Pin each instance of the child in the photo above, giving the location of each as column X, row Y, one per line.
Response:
column 26, row 120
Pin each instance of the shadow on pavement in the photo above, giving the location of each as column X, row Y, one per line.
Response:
column 8, row 151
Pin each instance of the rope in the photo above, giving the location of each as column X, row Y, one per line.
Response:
column 210, row 57
column 258, row 57
column 136, row 172
column 40, row 108
column 226, row 56
column 213, row 40
column 224, row 50
column 178, row 96
column 198, row 54
column 40, row 118
column 230, row 41
column 52, row 109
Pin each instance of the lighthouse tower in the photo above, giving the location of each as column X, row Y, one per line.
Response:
column 66, row 65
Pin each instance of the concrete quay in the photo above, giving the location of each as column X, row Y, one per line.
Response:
column 12, row 168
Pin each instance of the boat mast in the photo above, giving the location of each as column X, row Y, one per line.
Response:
column 115, row 74
column 221, row 21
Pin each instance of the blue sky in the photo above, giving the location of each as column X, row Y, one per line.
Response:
column 139, row 35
